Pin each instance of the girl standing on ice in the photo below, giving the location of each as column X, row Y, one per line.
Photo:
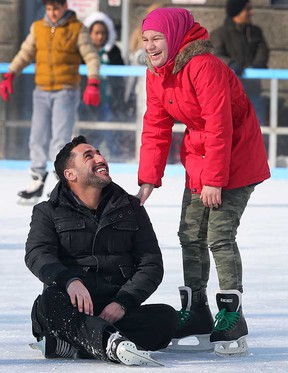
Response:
column 224, row 157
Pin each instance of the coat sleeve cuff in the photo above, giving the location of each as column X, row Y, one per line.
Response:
column 126, row 300
column 64, row 278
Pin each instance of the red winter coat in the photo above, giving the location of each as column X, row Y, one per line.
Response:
column 222, row 144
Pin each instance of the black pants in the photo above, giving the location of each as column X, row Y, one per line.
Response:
column 150, row 327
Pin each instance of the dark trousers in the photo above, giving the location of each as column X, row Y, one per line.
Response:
column 150, row 327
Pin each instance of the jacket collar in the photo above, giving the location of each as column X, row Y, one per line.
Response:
column 113, row 197
column 193, row 49
column 234, row 26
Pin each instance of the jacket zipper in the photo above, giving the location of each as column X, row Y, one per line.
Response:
column 52, row 80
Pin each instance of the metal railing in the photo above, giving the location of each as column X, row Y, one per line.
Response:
column 273, row 130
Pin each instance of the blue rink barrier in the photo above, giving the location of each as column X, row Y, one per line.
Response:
column 105, row 70
column 130, row 168
column 274, row 75
column 114, row 168
column 128, row 70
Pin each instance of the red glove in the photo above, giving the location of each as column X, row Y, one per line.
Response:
column 6, row 86
column 91, row 94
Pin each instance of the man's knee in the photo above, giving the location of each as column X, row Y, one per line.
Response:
column 164, row 317
column 38, row 329
column 46, row 306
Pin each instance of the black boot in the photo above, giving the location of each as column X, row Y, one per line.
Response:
column 230, row 324
column 195, row 319
column 195, row 316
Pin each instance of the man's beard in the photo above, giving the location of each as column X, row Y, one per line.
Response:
column 97, row 182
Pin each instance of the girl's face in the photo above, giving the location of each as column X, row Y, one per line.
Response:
column 156, row 47
column 99, row 35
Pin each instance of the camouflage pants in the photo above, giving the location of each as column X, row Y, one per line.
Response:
column 202, row 228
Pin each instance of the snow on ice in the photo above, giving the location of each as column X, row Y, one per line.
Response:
column 262, row 238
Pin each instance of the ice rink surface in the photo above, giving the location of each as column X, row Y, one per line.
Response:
column 263, row 242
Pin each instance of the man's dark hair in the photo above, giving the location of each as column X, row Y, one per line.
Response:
column 46, row 2
column 65, row 156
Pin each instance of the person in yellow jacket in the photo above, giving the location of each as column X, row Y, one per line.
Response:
column 57, row 43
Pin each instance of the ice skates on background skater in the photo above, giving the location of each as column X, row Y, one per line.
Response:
column 118, row 350
column 195, row 320
column 230, row 325
column 34, row 191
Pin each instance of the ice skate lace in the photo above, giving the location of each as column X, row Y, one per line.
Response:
column 225, row 320
column 183, row 317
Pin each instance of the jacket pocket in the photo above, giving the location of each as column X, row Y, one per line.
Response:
column 119, row 237
column 126, row 225
column 73, row 237
column 197, row 142
column 69, row 225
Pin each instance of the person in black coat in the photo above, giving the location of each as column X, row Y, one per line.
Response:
column 94, row 248
column 241, row 44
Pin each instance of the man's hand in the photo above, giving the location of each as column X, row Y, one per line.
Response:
column 80, row 297
column 112, row 313
column 144, row 192
column 211, row 196
column 91, row 94
column 6, row 87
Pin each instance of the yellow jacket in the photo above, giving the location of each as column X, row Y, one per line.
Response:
column 58, row 52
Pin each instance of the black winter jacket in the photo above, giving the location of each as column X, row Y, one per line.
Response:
column 240, row 46
column 117, row 243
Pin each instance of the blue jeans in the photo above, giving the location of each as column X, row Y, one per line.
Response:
column 53, row 119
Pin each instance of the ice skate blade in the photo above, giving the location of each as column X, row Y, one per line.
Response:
column 128, row 354
column 39, row 346
column 183, row 345
column 28, row 201
column 224, row 348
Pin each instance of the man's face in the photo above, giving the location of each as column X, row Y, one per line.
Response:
column 90, row 168
column 55, row 11
column 245, row 16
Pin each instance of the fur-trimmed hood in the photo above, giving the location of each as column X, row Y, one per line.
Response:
column 193, row 49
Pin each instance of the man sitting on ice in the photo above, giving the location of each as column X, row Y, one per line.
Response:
column 95, row 250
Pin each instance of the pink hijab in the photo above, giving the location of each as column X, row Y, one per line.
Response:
column 174, row 23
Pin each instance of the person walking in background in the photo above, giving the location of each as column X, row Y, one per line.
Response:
column 57, row 42
column 224, row 157
column 136, row 51
column 103, row 34
column 240, row 44
column 137, row 56
column 112, row 107
column 94, row 248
